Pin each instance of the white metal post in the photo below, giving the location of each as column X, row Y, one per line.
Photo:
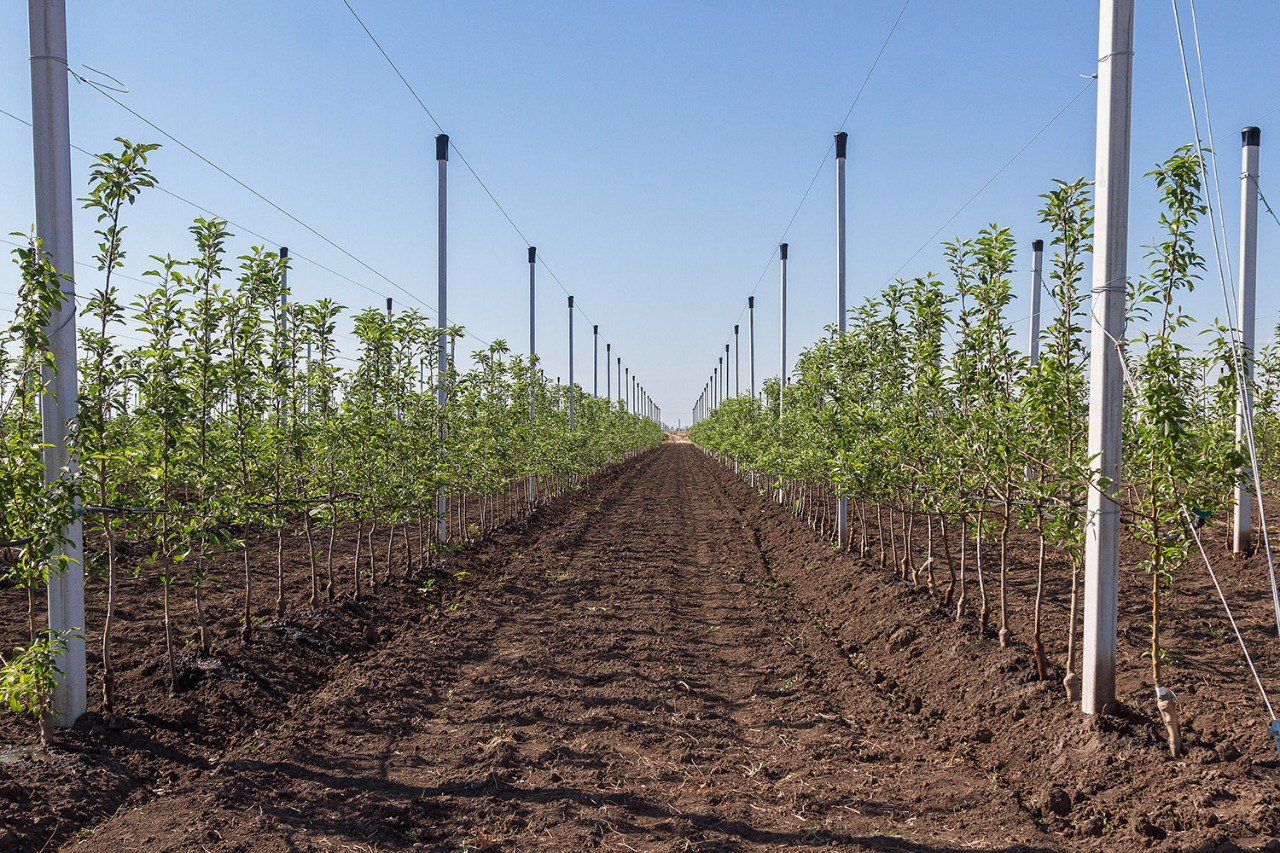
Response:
column 737, row 362
column 622, row 392
column 442, row 310
column 1106, row 381
column 782, row 322
column 571, row 424
column 51, row 148
column 751, row 338
column 595, row 360
column 1251, row 140
column 842, row 148
column 608, row 372
column 1037, row 285
column 531, row 488
column 1033, row 329
column 726, row 371
column 620, row 382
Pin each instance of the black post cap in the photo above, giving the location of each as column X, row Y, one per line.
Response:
column 388, row 304
column 751, row 302
column 1037, row 245
column 842, row 145
column 726, row 347
column 1251, row 136
column 533, row 254
column 284, row 252
column 782, row 248
column 595, row 330
column 570, row 301
column 608, row 347
column 735, row 328
column 442, row 146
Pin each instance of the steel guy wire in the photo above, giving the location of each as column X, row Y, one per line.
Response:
column 1262, row 198
column 465, row 162
column 874, row 63
column 1246, row 402
column 1093, row 484
column 992, row 179
column 293, row 254
column 1230, row 616
column 241, row 228
column 827, row 153
column 1213, row 153
column 106, row 93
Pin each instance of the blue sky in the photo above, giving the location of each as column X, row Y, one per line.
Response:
column 654, row 152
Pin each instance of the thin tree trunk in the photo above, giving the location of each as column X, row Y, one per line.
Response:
column 311, row 557
column 391, row 539
column 373, row 558
column 1004, row 600
column 408, row 550
column 280, row 572
column 880, row 532
column 246, row 630
column 355, row 563
column 983, row 614
column 168, row 642
column 108, row 623
column 333, row 532
column 949, row 593
column 1071, row 681
column 1037, row 647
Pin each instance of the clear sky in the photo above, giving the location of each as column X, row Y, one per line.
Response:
column 654, row 152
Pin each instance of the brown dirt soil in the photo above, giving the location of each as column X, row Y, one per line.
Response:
column 663, row 661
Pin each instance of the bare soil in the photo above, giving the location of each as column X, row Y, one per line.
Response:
column 663, row 660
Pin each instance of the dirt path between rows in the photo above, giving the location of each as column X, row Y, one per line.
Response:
column 668, row 661
column 633, row 677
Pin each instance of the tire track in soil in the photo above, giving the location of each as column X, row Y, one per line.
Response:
column 631, row 677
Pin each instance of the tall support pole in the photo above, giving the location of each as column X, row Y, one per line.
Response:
column 1033, row 329
column 726, row 371
column 715, row 383
column 1251, row 140
column 620, row 406
column 624, row 390
column 571, row 395
column 1037, row 286
column 608, row 372
column 533, row 305
column 751, row 341
column 442, row 301
column 842, row 149
column 1106, row 382
column 737, row 363
column 782, row 323
column 595, row 360
column 531, row 489
column 51, row 147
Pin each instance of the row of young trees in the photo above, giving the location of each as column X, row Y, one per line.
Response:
column 924, row 414
column 233, row 417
